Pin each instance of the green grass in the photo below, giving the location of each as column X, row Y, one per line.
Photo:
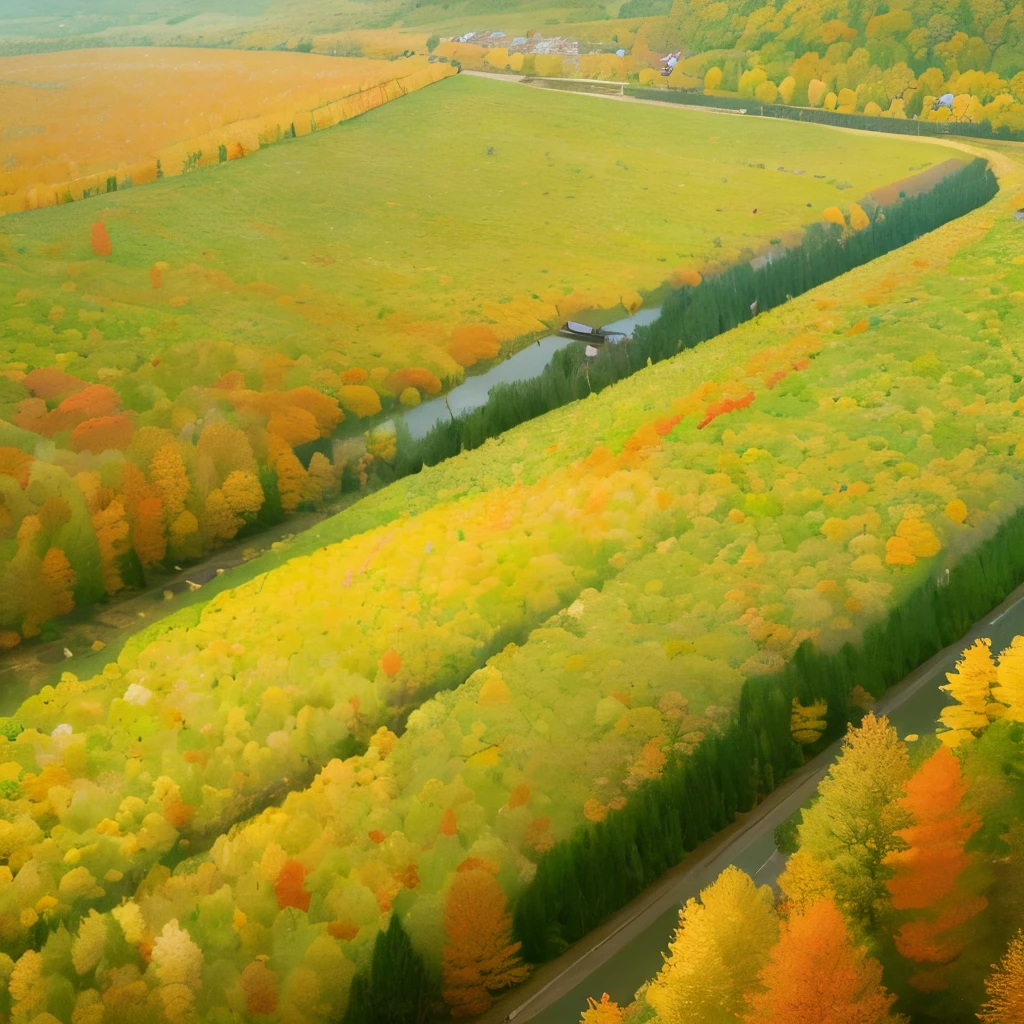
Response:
column 468, row 201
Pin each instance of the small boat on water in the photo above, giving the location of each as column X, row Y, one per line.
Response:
column 593, row 335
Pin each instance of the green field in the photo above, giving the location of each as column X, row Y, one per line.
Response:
column 364, row 246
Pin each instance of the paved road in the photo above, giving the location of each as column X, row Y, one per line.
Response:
column 624, row 952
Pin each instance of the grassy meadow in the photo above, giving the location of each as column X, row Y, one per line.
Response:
column 467, row 203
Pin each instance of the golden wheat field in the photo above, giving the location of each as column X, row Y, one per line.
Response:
column 83, row 122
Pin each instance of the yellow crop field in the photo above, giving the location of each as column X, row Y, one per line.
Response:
column 92, row 121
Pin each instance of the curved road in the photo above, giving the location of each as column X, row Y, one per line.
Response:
column 626, row 950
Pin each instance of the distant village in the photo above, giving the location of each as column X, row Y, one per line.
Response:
column 535, row 43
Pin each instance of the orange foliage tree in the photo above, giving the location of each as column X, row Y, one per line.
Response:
column 817, row 975
column 290, row 886
column 49, row 382
column 259, row 985
column 929, row 874
column 413, row 377
column 112, row 535
column 60, row 579
column 104, row 433
column 148, row 536
column 480, row 957
column 472, row 342
column 17, row 464
column 100, row 240
column 291, row 477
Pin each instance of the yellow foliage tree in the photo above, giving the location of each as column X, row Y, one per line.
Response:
column 219, row 523
column 178, row 963
column 856, row 820
column 112, row 536
column 60, row 581
column 712, row 79
column 834, row 216
column 971, row 687
column 359, row 400
column 243, row 493
column 805, row 881
column 859, row 220
column 806, row 724
column 956, row 510
column 607, row 1011
column 184, row 536
column 1005, row 987
column 1010, row 678
column 168, row 475
column 816, row 91
column 722, row 942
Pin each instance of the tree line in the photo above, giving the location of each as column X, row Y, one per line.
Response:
column 862, row 122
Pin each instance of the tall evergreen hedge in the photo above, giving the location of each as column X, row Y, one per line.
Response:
column 691, row 315
column 583, row 880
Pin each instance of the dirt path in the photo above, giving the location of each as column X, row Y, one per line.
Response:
column 26, row 669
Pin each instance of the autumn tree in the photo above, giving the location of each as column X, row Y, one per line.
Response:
column 291, row 476
column 480, row 957
column 219, row 523
column 817, row 975
column 808, row 722
column 603, row 1011
column 222, row 450
column 928, row 883
column 970, row 685
column 804, row 882
column 243, row 493
column 103, row 433
column 1010, row 679
column 25, row 599
column 323, row 477
column 60, row 580
column 1005, row 987
column 722, row 943
column 148, row 537
column 17, row 464
column 168, row 475
column 184, row 538
column 178, row 964
column 112, row 535
column 99, row 239
column 855, row 823
column 260, row 987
